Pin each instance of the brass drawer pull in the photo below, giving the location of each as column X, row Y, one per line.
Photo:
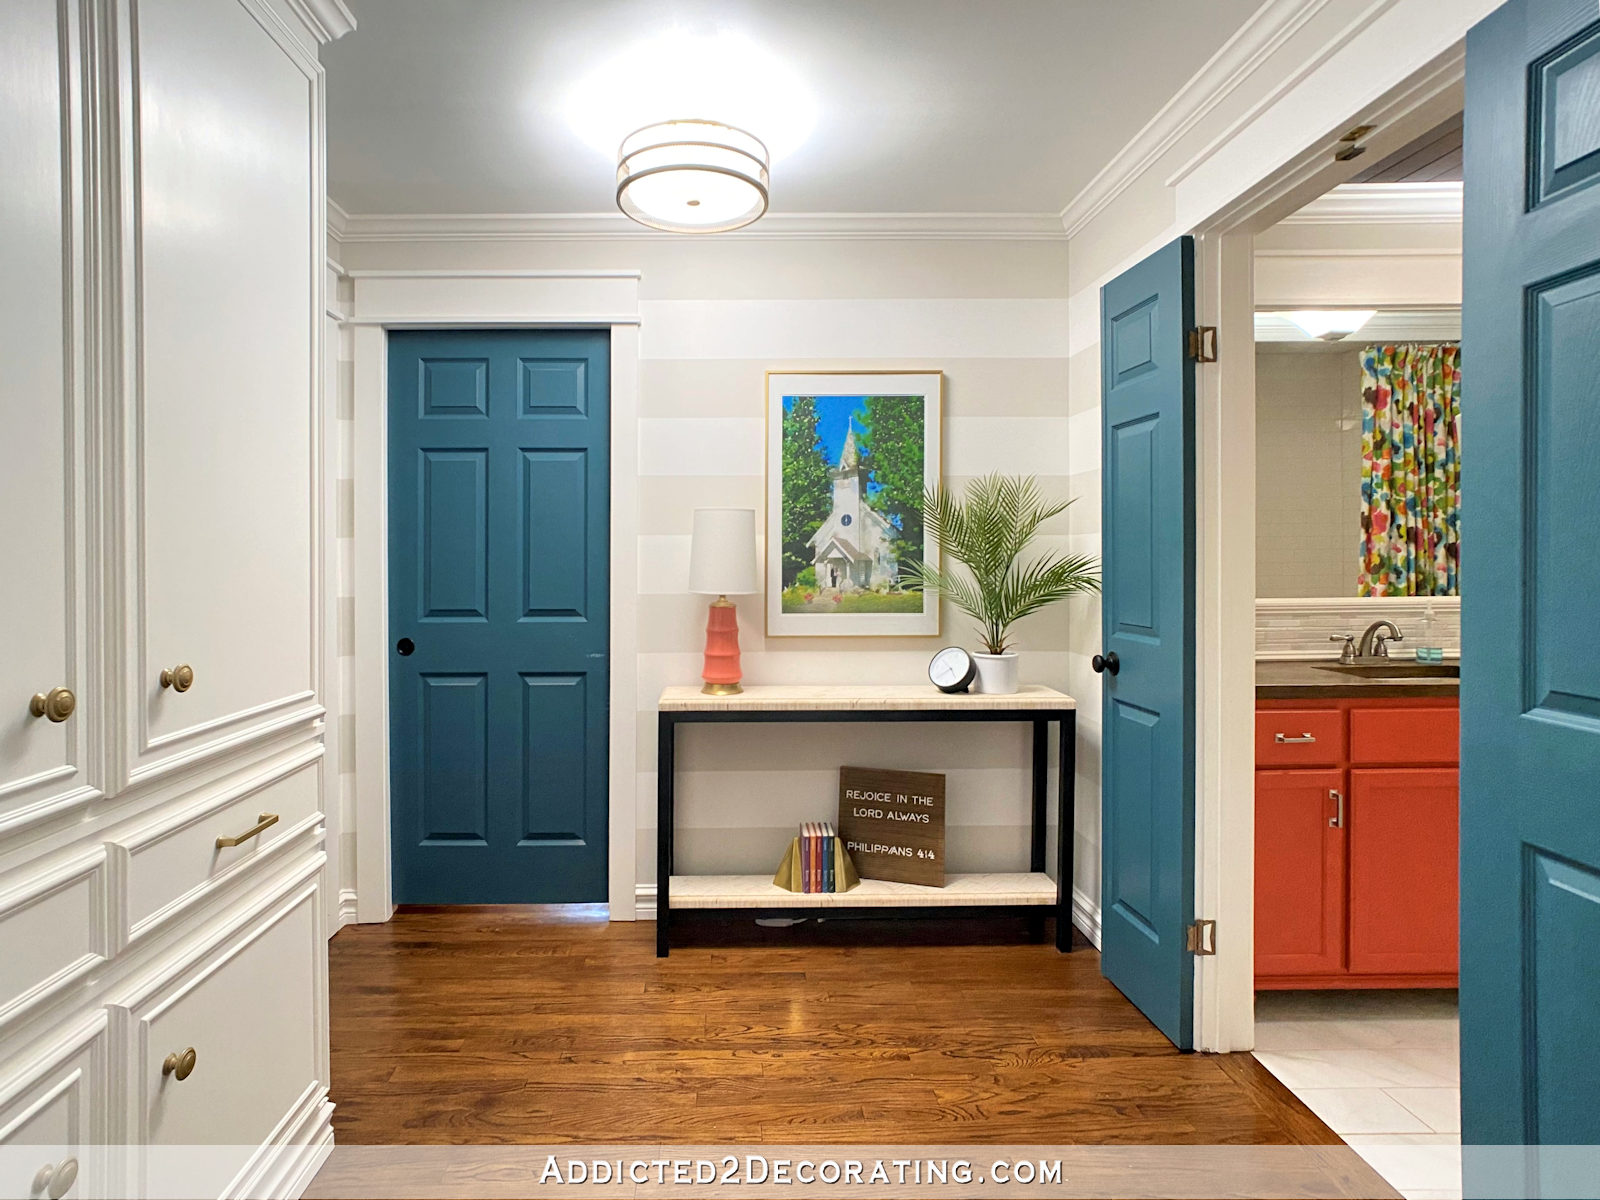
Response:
column 179, row 1066
column 57, row 704
column 264, row 821
column 179, row 678
column 1337, row 820
column 1283, row 739
column 56, row 1179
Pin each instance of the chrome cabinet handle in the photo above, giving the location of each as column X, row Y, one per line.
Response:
column 1283, row 739
column 179, row 1065
column 264, row 821
column 56, row 1179
column 57, row 704
column 1337, row 820
column 179, row 678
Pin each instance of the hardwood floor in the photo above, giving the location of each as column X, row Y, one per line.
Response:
column 481, row 1025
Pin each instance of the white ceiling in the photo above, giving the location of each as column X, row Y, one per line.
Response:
column 953, row 106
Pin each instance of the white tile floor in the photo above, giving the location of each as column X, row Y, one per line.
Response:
column 1382, row 1069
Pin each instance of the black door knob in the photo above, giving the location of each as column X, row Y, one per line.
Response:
column 1105, row 662
column 405, row 646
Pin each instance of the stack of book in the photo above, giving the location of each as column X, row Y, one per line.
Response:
column 818, row 840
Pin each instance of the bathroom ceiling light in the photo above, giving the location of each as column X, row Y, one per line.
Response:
column 692, row 176
column 1330, row 325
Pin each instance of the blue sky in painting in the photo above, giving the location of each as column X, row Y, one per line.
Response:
column 834, row 414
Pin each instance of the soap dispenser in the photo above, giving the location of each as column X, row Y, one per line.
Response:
column 1429, row 647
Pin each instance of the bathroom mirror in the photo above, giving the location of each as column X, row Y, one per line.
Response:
column 1358, row 453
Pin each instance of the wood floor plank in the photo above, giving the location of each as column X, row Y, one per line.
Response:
column 503, row 1024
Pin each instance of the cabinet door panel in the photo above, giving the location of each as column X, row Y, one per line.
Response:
column 1403, row 885
column 223, row 569
column 1300, row 867
column 252, row 1010
column 53, row 1127
column 42, row 467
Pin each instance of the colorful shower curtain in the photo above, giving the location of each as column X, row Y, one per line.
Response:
column 1411, row 470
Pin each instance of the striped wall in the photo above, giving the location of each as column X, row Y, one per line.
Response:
column 715, row 315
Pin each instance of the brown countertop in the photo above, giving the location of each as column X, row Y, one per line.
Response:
column 1304, row 680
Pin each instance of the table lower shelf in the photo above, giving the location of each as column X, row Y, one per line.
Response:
column 1024, row 888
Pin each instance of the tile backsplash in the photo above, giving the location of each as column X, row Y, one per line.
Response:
column 1296, row 628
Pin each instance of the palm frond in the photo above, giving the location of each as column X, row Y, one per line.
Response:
column 987, row 531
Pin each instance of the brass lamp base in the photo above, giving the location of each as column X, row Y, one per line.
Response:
column 722, row 689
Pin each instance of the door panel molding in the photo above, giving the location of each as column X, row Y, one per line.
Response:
column 1147, row 620
column 163, row 737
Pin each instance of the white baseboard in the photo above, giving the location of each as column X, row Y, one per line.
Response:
column 292, row 1156
column 347, row 907
column 644, row 902
column 1085, row 913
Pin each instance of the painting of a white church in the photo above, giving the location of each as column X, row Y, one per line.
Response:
column 849, row 460
column 854, row 547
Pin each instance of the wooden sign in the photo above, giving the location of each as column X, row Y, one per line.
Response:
column 892, row 823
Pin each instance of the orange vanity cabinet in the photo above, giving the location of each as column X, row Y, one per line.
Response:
column 1356, row 836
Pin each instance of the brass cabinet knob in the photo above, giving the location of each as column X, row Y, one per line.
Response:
column 57, row 704
column 56, row 1179
column 179, row 678
column 180, row 1065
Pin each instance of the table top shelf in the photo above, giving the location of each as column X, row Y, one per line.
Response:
column 959, row 891
column 848, row 698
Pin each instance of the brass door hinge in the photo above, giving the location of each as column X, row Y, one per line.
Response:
column 1201, row 938
column 1203, row 344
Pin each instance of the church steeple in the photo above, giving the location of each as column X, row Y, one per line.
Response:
column 849, row 455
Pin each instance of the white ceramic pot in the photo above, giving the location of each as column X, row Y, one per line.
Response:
column 997, row 673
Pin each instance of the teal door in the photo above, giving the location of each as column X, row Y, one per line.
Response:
column 1147, row 648
column 498, row 615
column 1530, row 695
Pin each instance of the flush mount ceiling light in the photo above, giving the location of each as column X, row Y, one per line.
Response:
column 1330, row 325
column 693, row 176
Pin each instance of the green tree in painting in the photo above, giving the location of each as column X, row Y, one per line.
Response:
column 892, row 432
column 807, row 487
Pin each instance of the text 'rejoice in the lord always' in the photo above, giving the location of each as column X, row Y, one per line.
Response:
column 892, row 823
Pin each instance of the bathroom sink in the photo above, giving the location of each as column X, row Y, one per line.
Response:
column 1394, row 671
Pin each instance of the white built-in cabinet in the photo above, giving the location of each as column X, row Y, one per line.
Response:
column 163, row 997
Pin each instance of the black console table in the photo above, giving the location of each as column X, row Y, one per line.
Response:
column 962, row 895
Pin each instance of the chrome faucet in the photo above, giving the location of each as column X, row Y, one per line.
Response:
column 1374, row 644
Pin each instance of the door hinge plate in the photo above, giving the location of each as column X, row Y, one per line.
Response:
column 1203, row 344
column 1201, row 938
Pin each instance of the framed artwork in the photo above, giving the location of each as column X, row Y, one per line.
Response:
column 849, row 455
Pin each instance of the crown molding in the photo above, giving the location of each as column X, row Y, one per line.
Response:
column 338, row 220
column 1384, row 204
column 1256, row 41
column 330, row 20
column 506, row 227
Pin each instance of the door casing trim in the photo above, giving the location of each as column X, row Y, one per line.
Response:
column 500, row 299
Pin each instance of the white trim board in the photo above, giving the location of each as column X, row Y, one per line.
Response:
column 1383, row 204
column 464, row 299
column 607, row 226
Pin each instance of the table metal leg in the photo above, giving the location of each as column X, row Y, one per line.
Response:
column 666, row 768
column 1067, row 838
column 1041, row 779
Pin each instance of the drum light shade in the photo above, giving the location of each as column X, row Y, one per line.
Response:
column 692, row 176
column 722, row 553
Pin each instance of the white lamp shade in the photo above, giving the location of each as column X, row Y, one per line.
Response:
column 722, row 558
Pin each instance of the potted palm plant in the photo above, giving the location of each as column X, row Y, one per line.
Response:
column 987, row 530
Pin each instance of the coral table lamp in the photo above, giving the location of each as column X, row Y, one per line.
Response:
column 722, row 563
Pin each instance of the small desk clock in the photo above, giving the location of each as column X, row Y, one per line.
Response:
column 952, row 670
